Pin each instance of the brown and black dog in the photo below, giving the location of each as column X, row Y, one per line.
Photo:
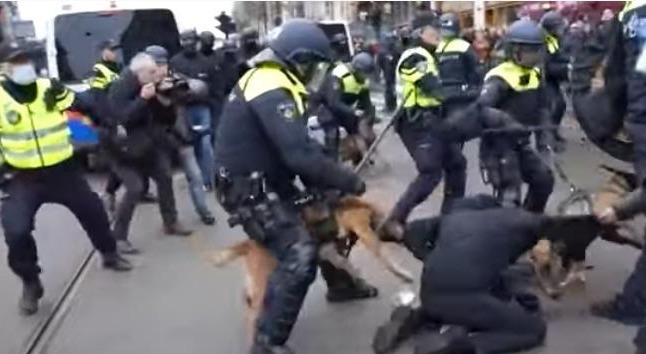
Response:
column 355, row 218
column 549, row 261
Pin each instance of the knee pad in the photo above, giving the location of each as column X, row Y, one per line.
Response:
column 302, row 262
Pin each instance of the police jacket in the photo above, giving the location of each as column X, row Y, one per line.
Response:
column 458, row 64
column 556, row 64
column 343, row 95
column 418, row 73
column 104, row 73
column 197, row 66
column 262, row 129
column 34, row 132
column 471, row 251
column 628, row 41
column 517, row 91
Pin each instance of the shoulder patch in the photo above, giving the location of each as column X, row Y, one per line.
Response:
column 287, row 110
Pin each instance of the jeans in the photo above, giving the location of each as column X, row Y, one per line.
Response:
column 201, row 123
column 194, row 180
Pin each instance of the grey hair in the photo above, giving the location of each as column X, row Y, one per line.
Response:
column 141, row 61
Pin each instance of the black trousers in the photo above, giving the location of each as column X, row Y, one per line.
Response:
column 500, row 326
column 63, row 184
column 114, row 183
column 158, row 167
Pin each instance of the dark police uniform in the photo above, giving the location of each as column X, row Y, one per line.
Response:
column 508, row 159
column 556, row 72
column 629, row 306
column 433, row 155
column 343, row 96
column 35, row 145
column 458, row 65
column 262, row 130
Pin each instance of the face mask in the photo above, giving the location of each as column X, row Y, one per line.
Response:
column 23, row 74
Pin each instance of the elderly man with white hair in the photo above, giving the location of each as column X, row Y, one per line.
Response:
column 143, row 147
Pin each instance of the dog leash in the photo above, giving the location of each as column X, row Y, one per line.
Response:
column 576, row 195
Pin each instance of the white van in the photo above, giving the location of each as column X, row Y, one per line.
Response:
column 332, row 28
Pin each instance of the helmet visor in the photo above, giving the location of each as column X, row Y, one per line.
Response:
column 316, row 76
column 529, row 56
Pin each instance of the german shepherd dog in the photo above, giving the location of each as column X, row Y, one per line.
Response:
column 353, row 147
column 554, row 270
column 356, row 220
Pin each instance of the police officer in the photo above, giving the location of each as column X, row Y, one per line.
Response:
column 107, row 68
column 249, row 47
column 556, row 68
column 433, row 155
column 514, row 87
column 458, row 66
column 35, row 145
column 388, row 63
column 347, row 100
column 340, row 49
column 629, row 306
column 261, row 145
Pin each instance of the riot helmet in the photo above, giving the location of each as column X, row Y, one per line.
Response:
column 553, row 23
column 302, row 45
column 189, row 41
column 363, row 65
column 449, row 25
column 426, row 29
column 524, row 43
column 207, row 40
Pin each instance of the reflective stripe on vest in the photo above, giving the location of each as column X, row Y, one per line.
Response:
column 409, row 77
column 267, row 77
column 453, row 45
column 350, row 84
column 513, row 75
column 108, row 76
column 629, row 6
column 552, row 43
column 30, row 136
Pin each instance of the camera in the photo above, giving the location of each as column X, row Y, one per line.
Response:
column 173, row 86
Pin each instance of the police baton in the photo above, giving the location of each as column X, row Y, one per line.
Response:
column 380, row 137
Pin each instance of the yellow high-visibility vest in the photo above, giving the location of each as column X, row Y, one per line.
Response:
column 32, row 137
column 516, row 76
column 103, row 82
column 269, row 76
column 409, row 77
column 350, row 84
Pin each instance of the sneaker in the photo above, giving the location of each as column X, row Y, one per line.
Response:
column 116, row 262
column 177, row 229
column 125, row 247
column 208, row 219
column 32, row 292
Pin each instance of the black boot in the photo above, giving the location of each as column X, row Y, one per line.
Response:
column 114, row 261
column 404, row 322
column 450, row 340
column 32, row 292
column 358, row 291
column 262, row 346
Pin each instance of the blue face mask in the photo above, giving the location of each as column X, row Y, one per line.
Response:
column 23, row 74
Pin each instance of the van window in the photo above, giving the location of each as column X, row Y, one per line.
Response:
column 78, row 35
column 332, row 29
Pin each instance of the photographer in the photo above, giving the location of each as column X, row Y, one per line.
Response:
column 144, row 146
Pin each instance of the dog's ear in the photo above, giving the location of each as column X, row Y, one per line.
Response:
column 574, row 233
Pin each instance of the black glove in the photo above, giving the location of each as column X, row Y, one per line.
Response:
column 359, row 187
column 57, row 87
column 55, row 90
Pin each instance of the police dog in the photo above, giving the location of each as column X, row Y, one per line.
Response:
column 355, row 219
column 550, row 262
column 353, row 147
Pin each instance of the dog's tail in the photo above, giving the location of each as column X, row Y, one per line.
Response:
column 222, row 257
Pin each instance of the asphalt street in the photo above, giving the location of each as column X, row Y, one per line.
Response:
column 176, row 302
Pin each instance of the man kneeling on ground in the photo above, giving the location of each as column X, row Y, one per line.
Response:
column 464, row 281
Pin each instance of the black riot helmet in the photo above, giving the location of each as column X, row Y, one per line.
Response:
column 300, row 42
column 524, row 43
column 362, row 66
column 426, row 29
column 189, row 40
column 449, row 25
column 553, row 23
column 207, row 40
